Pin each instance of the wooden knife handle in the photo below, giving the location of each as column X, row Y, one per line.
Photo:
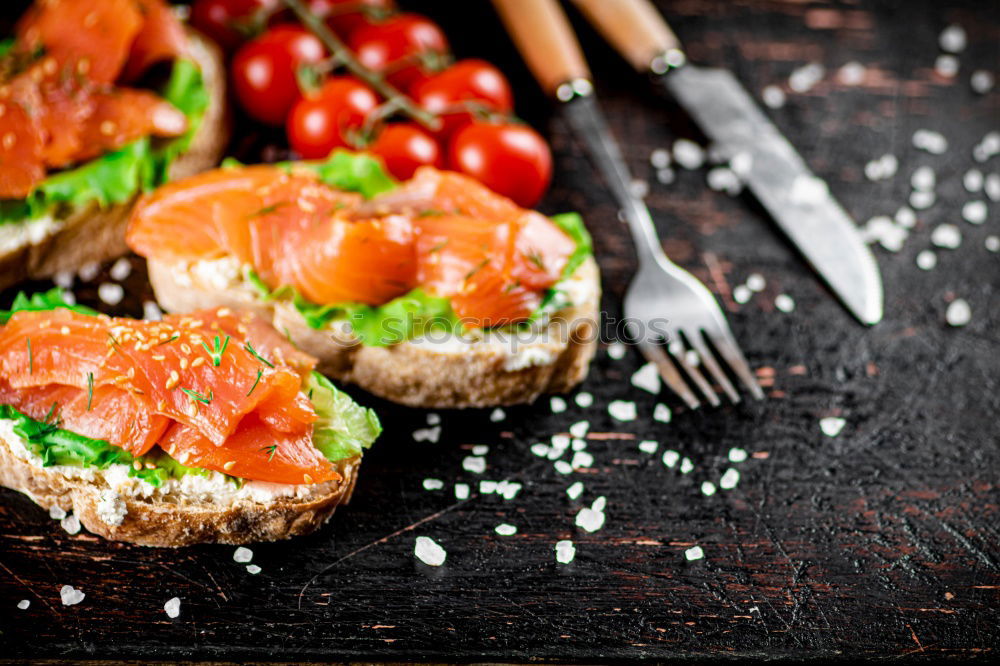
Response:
column 634, row 27
column 543, row 35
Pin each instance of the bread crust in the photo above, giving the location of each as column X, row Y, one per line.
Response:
column 98, row 234
column 477, row 375
column 157, row 522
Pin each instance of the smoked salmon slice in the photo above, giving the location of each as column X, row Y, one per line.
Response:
column 207, row 387
column 440, row 231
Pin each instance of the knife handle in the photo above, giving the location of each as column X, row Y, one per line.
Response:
column 636, row 30
column 544, row 37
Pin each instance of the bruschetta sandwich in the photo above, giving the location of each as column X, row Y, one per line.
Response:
column 433, row 292
column 99, row 101
column 204, row 427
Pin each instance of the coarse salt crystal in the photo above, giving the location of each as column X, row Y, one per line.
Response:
column 71, row 524
column 723, row 179
column 565, row 551
column 729, row 479
column 905, row 217
column 427, row 434
column 741, row 164
column 242, row 555
column 599, row 503
column 429, row 551
column 639, row 188
column 756, row 282
column 975, row 212
column 661, row 413
column 692, row 358
column 737, row 455
column 497, row 415
column 973, row 180
column 851, row 73
column 56, row 512
column 660, row 158
column 670, row 458
column 480, row 450
column 433, row 484
column 882, row 168
column 584, row 399
column 991, row 186
column 582, row 459
column 487, row 487
column 23, row 604
column 923, row 179
column 947, row 236
column 540, row 450
column 563, row 467
column 574, row 490
column 110, row 293
column 831, row 425
column 647, row 378
column 707, row 488
column 121, row 269
column 579, row 444
column 688, row 154
column 952, row 39
column 461, row 491
column 579, row 429
column 808, row 190
column 253, row 569
column 172, row 608
column 70, row 596
column 433, row 419
column 742, row 293
column 958, row 313
column 589, row 519
column 557, row 405
column 622, row 410
column 88, row 271
column 694, row 553
column 648, row 446
column 69, row 297
column 505, row 529
column 804, row 78
column 946, row 66
column 784, row 302
column 510, row 490
column 773, row 97
column 616, row 350
column 686, row 465
column 474, row 464
column 665, row 176
column 922, row 199
column 982, row 81
column 63, row 279
column 151, row 311
column 561, row 442
column 992, row 243
column 931, row 141
column 926, row 260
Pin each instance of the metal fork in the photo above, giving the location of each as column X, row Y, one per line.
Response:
column 663, row 301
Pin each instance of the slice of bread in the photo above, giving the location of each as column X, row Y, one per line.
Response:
column 494, row 370
column 39, row 249
column 181, row 513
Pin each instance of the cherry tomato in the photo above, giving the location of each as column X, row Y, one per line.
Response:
column 323, row 121
column 264, row 70
column 466, row 84
column 404, row 147
column 229, row 22
column 346, row 16
column 510, row 158
column 396, row 45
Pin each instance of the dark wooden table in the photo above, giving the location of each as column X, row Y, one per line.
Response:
column 880, row 542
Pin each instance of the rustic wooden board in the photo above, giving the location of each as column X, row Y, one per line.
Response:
column 882, row 541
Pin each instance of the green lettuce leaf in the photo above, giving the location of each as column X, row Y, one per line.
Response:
column 41, row 301
column 572, row 225
column 344, row 428
column 351, row 172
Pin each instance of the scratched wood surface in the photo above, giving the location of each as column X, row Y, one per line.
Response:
column 882, row 541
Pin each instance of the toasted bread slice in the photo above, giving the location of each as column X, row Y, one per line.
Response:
column 180, row 513
column 40, row 248
column 492, row 370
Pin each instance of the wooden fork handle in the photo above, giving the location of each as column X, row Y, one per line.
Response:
column 634, row 27
column 544, row 37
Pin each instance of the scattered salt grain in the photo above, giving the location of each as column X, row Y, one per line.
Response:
column 688, row 154
column 589, row 519
column 63, row 279
column 23, row 604
column 922, row 200
column 480, row 450
column 151, row 311
column 670, row 458
column 905, row 217
column 69, row 297
column 992, row 186
column 987, row 147
column 729, row 479
column 429, row 552
column 692, row 358
column 648, row 446
column 773, row 97
column 121, row 269
column 253, row 569
column 737, row 455
column 831, row 425
column 851, row 73
column 784, row 302
column 584, row 399
column 427, row 434
column 622, row 410
column 724, row 179
column 461, row 491
column 741, row 164
column 89, row 271
column 600, row 503
column 661, row 413
column 563, row 467
column 926, row 260
column 952, row 39
column 574, row 490
column 433, row 484
column 756, row 282
column 694, row 553
column 474, row 464
column 808, row 190
column 110, row 293
column 993, row 243
column 497, row 415
column 172, row 608
column 707, row 488
column 557, row 404
column 804, row 78
column 56, row 512
column 686, row 465
column 665, row 176
column 540, row 450
column 616, row 350
column 742, row 293
column 647, row 378
column 70, row 596
column 579, row 444
column 639, row 188
column 923, row 179
column 433, row 419
column 931, row 141
column 982, row 81
column 946, row 66
column 242, row 555
column 487, row 487
column 509, row 489
column 565, row 551
column 505, row 529
column 947, row 236
column 560, row 442
column 660, row 158
column 959, row 313
column 973, row 180
column 975, row 212
column 882, row 168
column 579, row 429
column 71, row 524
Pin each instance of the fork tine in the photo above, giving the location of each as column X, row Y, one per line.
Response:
column 730, row 351
column 676, row 350
column 708, row 360
column 655, row 355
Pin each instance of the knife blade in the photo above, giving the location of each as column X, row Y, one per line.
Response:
column 798, row 201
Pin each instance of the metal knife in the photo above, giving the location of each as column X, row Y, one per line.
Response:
column 798, row 201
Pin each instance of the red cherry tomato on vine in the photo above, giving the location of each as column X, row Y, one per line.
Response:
column 510, row 158
column 323, row 121
column 346, row 16
column 229, row 22
column 395, row 47
column 458, row 90
column 264, row 71
column 404, row 147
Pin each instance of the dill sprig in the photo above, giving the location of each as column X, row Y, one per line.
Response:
column 257, row 381
column 175, row 336
column 217, row 349
column 90, row 389
column 272, row 449
column 253, row 352
column 31, row 359
column 198, row 396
